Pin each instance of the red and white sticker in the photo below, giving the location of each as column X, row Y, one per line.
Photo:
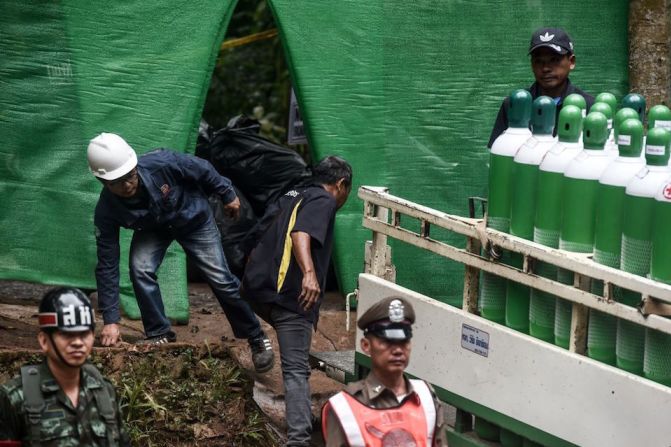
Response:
column 623, row 140
column 667, row 191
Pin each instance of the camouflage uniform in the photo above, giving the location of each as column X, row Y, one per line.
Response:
column 60, row 424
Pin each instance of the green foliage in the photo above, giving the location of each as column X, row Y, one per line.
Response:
column 251, row 79
column 186, row 396
column 177, row 396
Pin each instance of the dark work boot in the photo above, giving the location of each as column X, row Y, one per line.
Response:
column 168, row 337
column 262, row 353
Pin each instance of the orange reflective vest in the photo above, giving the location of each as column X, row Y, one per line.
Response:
column 411, row 424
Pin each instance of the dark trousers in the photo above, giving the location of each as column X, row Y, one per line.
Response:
column 294, row 335
column 203, row 246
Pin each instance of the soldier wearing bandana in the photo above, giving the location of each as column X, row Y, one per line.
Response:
column 386, row 408
column 64, row 401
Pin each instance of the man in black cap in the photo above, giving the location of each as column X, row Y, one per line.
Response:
column 385, row 407
column 285, row 278
column 64, row 400
column 552, row 60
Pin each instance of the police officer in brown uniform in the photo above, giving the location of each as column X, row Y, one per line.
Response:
column 63, row 401
column 386, row 408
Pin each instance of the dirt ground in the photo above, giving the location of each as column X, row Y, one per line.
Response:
column 207, row 326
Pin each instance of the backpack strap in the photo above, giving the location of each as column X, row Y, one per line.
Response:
column 104, row 400
column 33, row 401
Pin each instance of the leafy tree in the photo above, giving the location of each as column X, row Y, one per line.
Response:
column 251, row 78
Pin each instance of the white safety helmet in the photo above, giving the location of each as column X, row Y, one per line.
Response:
column 110, row 157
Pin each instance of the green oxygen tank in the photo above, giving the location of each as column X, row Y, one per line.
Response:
column 639, row 202
column 492, row 299
column 657, row 354
column 621, row 116
column 659, row 116
column 548, row 214
column 511, row 439
column 636, row 102
column 523, row 201
column 580, row 186
column 610, row 147
column 609, row 99
column 601, row 333
column 575, row 99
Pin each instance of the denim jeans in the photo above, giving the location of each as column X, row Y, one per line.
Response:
column 203, row 246
column 294, row 335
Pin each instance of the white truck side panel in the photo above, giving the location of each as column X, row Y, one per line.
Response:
column 572, row 397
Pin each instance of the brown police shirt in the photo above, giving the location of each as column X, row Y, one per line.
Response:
column 372, row 393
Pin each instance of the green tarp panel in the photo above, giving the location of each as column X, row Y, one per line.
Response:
column 408, row 92
column 70, row 70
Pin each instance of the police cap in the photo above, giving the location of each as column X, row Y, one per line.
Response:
column 66, row 309
column 390, row 318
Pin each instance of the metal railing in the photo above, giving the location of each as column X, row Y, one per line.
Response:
column 383, row 215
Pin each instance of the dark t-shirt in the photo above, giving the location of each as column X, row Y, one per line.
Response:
column 272, row 274
column 501, row 123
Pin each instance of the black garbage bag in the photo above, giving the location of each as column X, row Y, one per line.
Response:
column 261, row 169
column 233, row 232
column 204, row 140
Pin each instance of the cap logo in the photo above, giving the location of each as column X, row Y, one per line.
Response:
column 85, row 315
column 546, row 37
column 396, row 311
column 69, row 317
column 555, row 47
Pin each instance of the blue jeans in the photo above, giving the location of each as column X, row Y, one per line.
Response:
column 203, row 246
column 294, row 335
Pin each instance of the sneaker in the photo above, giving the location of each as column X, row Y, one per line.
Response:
column 262, row 353
column 168, row 337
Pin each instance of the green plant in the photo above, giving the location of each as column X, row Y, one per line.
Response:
column 179, row 396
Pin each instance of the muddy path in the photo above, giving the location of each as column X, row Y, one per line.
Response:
column 207, row 339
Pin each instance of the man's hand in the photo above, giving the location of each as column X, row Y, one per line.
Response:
column 232, row 209
column 110, row 334
column 309, row 290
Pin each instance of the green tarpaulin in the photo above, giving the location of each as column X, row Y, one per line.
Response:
column 406, row 91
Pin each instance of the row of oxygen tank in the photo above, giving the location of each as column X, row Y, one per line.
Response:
column 600, row 186
column 591, row 189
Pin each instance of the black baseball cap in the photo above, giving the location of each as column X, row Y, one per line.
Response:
column 554, row 38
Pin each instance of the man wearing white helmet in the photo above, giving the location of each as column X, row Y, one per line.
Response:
column 162, row 196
